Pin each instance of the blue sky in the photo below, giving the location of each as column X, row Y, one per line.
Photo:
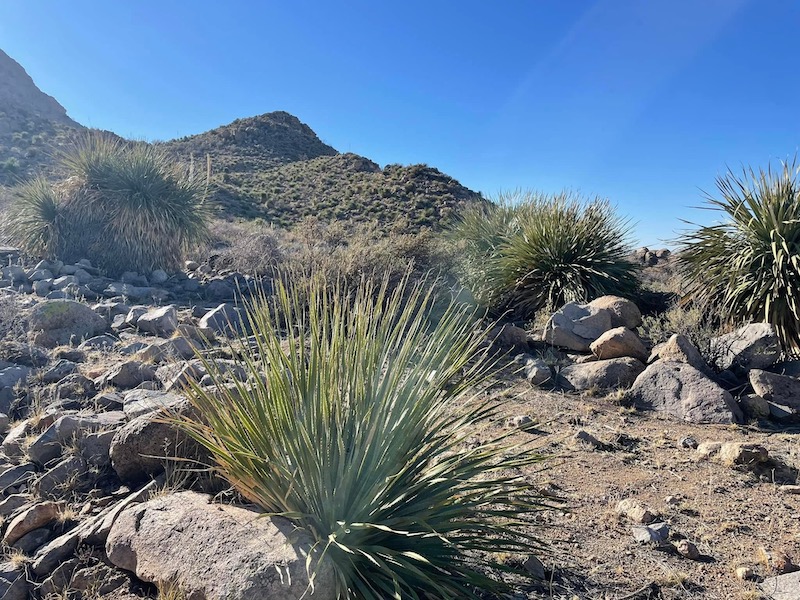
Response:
column 640, row 101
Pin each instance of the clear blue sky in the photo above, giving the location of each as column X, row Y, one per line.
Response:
column 640, row 101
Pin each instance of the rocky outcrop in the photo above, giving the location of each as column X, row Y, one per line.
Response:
column 601, row 375
column 56, row 322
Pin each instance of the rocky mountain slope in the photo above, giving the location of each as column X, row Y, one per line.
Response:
column 31, row 123
column 270, row 166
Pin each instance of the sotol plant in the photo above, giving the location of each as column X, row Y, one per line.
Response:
column 355, row 427
column 532, row 251
column 124, row 206
column 747, row 266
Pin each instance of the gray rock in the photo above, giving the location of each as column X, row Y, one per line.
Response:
column 656, row 533
column 508, row 337
column 60, row 369
column 42, row 287
column 146, row 444
column 191, row 265
column 216, row 551
column 684, row 392
column 575, row 326
column 34, row 517
column 13, row 503
column 96, row 448
column 99, row 342
column 68, row 475
column 754, row 346
column 166, row 351
column 15, row 438
column 32, row 540
column 535, row 370
column 601, row 375
column 782, row 587
column 678, row 348
column 619, row 342
column 128, row 375
column 624, row 313
column 219, row 291
column 158, row 277
column 226, row 319
column 14, row 584
column 57, row 322
column 17, row 475
column 141, row 402
column 75, row 386
column 61, row 282
column 780, row 389
column 159, row 321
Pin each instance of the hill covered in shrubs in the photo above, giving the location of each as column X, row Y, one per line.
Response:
column 271, row 166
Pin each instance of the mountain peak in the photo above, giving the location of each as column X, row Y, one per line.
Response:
column 19, row 94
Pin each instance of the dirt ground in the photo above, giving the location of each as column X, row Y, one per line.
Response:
column 736, row 517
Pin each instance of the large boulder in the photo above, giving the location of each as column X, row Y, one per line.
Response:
column 226, row 319
column 617, row 343
column 57, row 322
column 624, row 313
column 780, row 389
column 754, row 346
column 600, row 375
column 216, row 551
column 682, row 391
column 575, row 326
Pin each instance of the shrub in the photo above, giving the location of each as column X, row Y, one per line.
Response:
column 747, row 267
column 531, row 251
column 354, row 426
column 125, row 206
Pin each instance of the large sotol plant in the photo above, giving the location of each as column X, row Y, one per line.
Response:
column 531, row 251
column 355, row 425
column 747, row 266
column 125, row 206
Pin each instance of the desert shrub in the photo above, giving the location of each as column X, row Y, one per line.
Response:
column 355, row 424
column 252, row 247
column 747, row 267
column 125, row 206
column 532, row 251
column 691, row 321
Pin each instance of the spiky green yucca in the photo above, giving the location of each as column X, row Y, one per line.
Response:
column 355, row 428
column 124, row 206
column 748, row 265
column 533, row 251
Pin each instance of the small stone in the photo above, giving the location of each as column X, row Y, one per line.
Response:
column 687, row 549
column 535, row 568
column 742, row 453
column 518, row 421
column 587, row 438
column 688, row 442
column 745, row 573
column 635, row 511
column 651, row 534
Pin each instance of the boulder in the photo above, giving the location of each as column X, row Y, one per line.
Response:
column 575, row 326
column 143, row 446
column 38, row 515
column 140, row 402
column 780, row 389
column 682, row 391
column 617, row 343
column 128, row 375
column 679, row 348
column 14, row 584
column 216, row 551
column 226, row 319
column 58, row 322
column 535, row 370
column 782, row 587
column 754, row 346
column 159, row 321
column 601, row 375
column 505, row 337
column 624, row 313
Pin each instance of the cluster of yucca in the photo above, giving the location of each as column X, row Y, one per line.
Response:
column 125, row 206
column 530, row 251
column 747, row 267
column 354, row 425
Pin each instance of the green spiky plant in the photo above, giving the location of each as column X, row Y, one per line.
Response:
column 354, row 426
column 125, row 206
column 533, row 251
column 747, row 266
column 35, row 219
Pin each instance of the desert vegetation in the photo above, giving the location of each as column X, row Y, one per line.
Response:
column 747, row 266
column 126, row 207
